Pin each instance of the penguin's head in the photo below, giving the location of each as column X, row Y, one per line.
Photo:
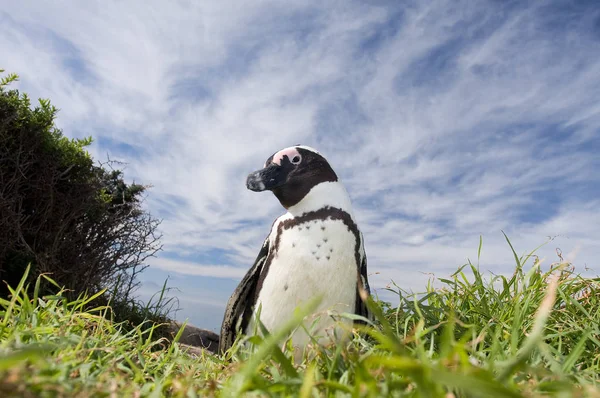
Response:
column 291, row 173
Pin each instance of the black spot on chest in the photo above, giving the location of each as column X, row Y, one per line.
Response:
column 323, row 214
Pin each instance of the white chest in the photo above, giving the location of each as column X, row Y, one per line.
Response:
column 314, row 258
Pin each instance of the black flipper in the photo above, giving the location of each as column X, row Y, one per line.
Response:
column 240, row 305
column 362, row 284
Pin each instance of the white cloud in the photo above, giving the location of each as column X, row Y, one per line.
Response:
column 191, row 268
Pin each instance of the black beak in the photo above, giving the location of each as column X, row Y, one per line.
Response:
column 266, row 179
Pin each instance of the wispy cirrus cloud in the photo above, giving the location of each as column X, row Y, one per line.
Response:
column 192, row 268
column 446, row 120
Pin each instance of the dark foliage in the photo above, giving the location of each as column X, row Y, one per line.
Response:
column 78, row 221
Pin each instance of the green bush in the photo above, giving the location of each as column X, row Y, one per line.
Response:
column 68, row 217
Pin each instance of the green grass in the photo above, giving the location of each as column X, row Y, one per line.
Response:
column 531, row 334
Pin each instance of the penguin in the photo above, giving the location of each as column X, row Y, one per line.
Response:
column 315, row 248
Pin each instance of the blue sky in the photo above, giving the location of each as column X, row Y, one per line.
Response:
column 445, row 119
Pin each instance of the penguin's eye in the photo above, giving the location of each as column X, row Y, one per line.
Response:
column 296, row 159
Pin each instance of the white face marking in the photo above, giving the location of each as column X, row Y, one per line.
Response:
column 291, row 153
column 309, row 149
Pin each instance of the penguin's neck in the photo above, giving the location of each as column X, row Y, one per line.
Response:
column 332, row 194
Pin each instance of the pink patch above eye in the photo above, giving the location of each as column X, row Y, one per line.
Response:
column 289, row 152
